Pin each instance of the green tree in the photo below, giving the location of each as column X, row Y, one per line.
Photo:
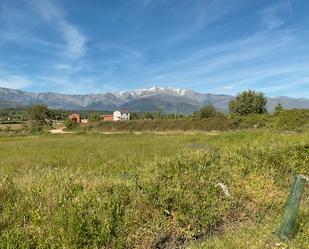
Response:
column 94, row 117
column 148, row 115
column 133, row 115
column 248, row 102
column 59, row 114
column 207, row 111
column 39, row 116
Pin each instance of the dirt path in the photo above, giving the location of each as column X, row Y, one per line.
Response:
column 60, row 131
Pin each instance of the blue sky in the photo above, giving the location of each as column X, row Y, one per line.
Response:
column 216, row 46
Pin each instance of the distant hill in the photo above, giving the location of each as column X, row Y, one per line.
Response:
column 166, row 99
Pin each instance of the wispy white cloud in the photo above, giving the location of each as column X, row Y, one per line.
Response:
column 60, row 59
column 76, row 41
column 19, row 25
column 203, row 14
column 148, row 51
column 265, row 56
column 291, row 83
column 65, row 67
column 82, row 85
column 15, row 81
column 275, row 16
column 208, row 60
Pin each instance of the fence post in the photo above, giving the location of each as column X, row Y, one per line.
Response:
column 287, row 227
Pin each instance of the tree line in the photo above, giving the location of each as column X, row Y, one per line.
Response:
column 245, row 103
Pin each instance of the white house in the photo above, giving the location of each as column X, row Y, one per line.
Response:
column 121, row 115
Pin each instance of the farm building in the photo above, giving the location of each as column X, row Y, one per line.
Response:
column 108, row 117
column 75, row 117
column 121, row 115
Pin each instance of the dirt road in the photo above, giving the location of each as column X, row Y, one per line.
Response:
column 212, row 133
column 60, row 131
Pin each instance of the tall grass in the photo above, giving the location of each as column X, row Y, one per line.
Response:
column 217, row 123
column 148, row 191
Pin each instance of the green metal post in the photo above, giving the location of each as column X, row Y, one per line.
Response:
column 287, row 227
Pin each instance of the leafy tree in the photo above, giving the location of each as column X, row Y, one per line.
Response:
column 248, row 102
column 94, row 117
column 39, row 116
column 59, row 114
column 207, row 111
column 133, row 115
column 148, row 115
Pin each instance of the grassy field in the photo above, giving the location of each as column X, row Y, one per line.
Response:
column 150, row 190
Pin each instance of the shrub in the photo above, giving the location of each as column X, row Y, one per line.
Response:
column 296, row 119
column 209, row 124
column 208, row 111
column 70, row 124
column 148, row 115
column 252, row 121
column 94, row 117
column 278, row 108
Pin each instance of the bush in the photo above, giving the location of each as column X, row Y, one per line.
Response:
column 148, row 115
column 94, row 117
column 209, row 124
column 296, row 119
column 69, row 124
column 208, row 111
column 252, row 121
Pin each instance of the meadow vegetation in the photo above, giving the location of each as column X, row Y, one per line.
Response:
column 217, row 123
column 283, row 120
column 150, row 191
column 135, row 189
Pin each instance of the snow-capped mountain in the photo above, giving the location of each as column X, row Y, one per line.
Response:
column 153, row 91
column 167, row 99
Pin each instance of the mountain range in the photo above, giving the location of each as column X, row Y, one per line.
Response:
column 166, row 99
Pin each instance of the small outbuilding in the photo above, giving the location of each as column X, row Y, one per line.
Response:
column 121, row 115
column 75, row 117
column 108, row 117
